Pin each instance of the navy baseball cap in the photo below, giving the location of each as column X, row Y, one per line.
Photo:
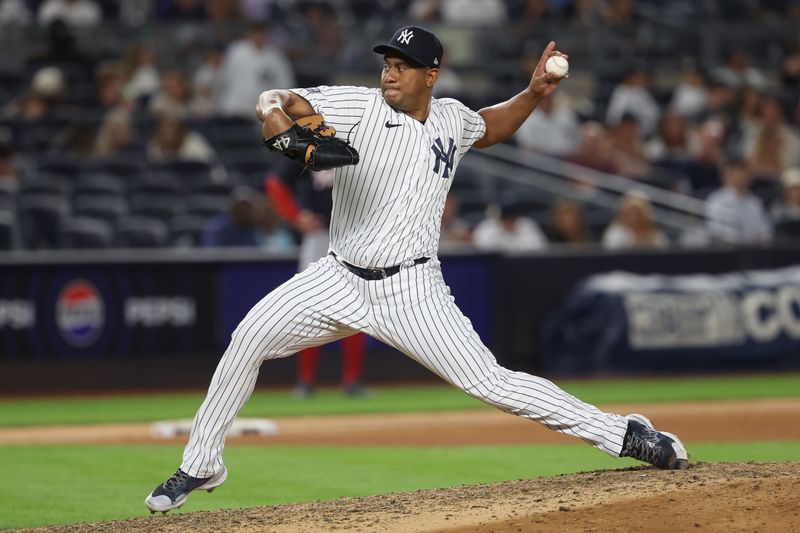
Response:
column 415, row 43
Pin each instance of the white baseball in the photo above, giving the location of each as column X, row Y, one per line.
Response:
column 558, row 65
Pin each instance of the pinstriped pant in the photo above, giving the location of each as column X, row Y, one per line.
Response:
column 411, row 311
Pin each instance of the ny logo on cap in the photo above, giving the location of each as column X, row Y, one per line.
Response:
column 405, row 36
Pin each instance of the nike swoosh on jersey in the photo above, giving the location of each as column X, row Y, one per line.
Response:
column 390, row 125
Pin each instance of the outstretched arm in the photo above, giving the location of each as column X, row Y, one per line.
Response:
column 503, row 119
column 278, row 108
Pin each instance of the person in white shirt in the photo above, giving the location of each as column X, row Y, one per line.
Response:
column 511, row 231
column 634, row 225
column 552, row 129
column 76, row 13
column 632, row 97
column 248, row 67
column 733, row 213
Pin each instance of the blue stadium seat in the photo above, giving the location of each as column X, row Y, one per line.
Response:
column 107, row 207
column 40, row 216
column 84, row 233
column 140, row 232
column 186, row 231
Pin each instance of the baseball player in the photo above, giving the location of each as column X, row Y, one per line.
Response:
column 396, row 151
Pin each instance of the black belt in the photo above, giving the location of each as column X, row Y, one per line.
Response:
column 374, row 274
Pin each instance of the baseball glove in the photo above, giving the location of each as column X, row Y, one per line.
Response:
column 311, row 141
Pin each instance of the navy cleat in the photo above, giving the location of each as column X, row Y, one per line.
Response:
column 659, row 448
column 173, row 492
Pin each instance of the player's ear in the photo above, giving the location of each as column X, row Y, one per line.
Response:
column 431, row 77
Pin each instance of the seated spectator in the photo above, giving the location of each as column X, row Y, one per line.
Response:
column 690, row 96
column 566, row 223
column 206, row 82
column 141, row 76
column 14, row 13
column 628, row 149
column 551, row 129
column 737, row 72
column 774, row 146
column 251, row 66
column 733, row 213
column 173, row 141
column 634, row 226
column 237, row 227
column 474, row 12
column 44, row 99
column 672, row 141
column 454, row 229
column 632, row 97
column 115, row 135
column 510, row 231
column 787, row 209
column 594, row 149
column 251, row 221
column 173, row 98
column 8, row 171
column 707, row 156
column 76, row 13
column 270, row 234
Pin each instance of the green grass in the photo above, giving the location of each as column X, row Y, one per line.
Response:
column 64, row 484
column 145, row 408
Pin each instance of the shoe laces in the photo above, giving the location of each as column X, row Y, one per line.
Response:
column 175, row 480
column 643, row 445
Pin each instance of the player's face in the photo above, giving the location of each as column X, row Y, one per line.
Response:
column 404, row 85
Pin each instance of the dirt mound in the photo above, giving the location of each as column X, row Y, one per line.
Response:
column 706, row 497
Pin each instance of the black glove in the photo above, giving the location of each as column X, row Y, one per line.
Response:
column 312, row 142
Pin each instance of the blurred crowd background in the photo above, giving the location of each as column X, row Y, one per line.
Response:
column 131, row 124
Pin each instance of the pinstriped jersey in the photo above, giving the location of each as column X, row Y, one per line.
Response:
column 388, row 208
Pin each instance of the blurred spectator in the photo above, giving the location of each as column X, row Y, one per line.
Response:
column 173, row 98
column 187, row 10
column 773, row 145
column 454, row 229
column 634, row 225
column 109, row 81
column 672, row 141
column 594, row 149
column 733, row 213
column 258, row 10
column 566, row 223
column 76, row 13
column 632, row 97
column 425, row 10
column 270, row 234
column 45, row 98
column 206, row 82
column 788, row 208
column 551, row 129
column 8, row 171
column 173, row 141
column 62, row 47
column 115, row 135
column 628, row 149
column 250, row 67
column 690, row 96
column 449, row 84
column 617, row 12
column 251, row 221
column 737, row 72
column 140, row 72
column 703, row 168
column 14, row 13
column 790, row 67
column 509, row 231
column 474, row 12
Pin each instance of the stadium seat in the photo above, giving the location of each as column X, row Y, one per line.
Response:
column 45, row 184
column 60, row 165
column 186, row 231
column 160, row 206
column 183, row 168
column 8, row 194
column 124, row 166
column 40, row 216
column 84, row 233
column 207, row 205
column 152, row 182
column 107, row 207
column 204, row 184
column 99, row 184
column 140, row 232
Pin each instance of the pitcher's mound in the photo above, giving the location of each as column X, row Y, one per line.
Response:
column 707, row 497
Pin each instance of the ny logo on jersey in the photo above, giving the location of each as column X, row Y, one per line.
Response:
column 443, row 156
column 281, row 144
column 405, row 36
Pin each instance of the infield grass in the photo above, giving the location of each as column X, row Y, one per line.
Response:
column 151, row 407
column 48, row 485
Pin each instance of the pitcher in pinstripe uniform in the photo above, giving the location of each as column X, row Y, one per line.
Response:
column 382, row 275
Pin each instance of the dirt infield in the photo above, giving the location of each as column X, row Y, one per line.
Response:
column 706, row 497
column 759, row 497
